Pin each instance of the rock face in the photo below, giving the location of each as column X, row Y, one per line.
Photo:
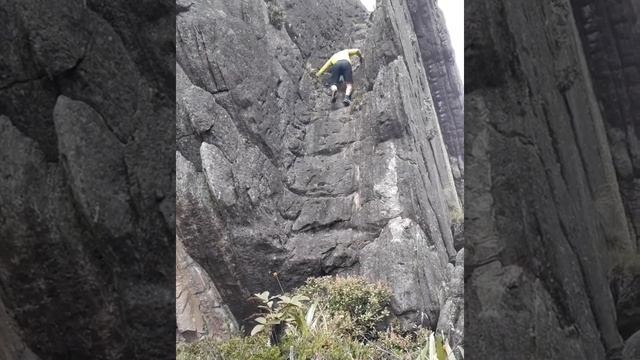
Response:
column 199, row 308
column 444, row 80
column 548, row 212
column 272, row 178
column 11, row 344
column 632, row 347
column 625, row 286
column 610, row 34
column 87, row 197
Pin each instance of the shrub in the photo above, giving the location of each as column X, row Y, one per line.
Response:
column 325, row 344
column 200, row 350
column 420, row 345
column 361, row 304
column 326, row 319
column 396, row 343
column 254, row 347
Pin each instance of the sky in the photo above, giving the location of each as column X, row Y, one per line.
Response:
column 454, row 18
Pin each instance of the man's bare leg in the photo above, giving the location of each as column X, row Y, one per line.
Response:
column 347, row 95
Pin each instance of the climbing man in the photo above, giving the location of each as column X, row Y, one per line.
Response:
column 340, row 64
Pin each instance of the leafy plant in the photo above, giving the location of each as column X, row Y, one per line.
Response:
column 283, row 310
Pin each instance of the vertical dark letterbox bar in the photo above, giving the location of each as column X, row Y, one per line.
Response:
column 87, row 179
column 552, row 267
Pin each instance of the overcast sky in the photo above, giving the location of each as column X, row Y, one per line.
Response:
column 454, row 17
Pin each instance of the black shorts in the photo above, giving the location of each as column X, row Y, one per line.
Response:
column 342, row 67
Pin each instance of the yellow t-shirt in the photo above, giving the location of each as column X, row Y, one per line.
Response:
column 340, row 55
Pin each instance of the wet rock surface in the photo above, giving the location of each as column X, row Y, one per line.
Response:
column 274, row 178
column 87, row 197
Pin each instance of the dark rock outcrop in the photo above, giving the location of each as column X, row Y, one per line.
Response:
column 632, row 347
column 199, row 307
column 87, row 197
column 625, row 287
column 546, row 219
column 610, row 34
column 273, row 179
column 11, row 344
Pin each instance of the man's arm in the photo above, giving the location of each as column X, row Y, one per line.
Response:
column 324, row 68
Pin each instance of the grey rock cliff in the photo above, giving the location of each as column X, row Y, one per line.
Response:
column 444, row 80
column 272, row 178
column 610, row 34
column 547, row 216
column 87, row 196
column 12, row 346
column 632, row 347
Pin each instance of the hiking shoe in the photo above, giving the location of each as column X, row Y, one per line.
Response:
column 347, row 101
column 334, row 96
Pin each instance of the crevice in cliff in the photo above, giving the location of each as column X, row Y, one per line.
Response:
column 437, row 165
column 589, row 277
column 427, row 184
column 512, row 134
column 219, row 91
column 318, row 194
column 572, row 122
column 68, row 73
column 186, row 136
column 554, row 144
column 553, row 287
column 315, row 227
column 23, row 81
column 220, row 84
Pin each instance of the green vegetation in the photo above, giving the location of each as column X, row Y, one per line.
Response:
column 252, row 347
column 362, row 305
column 325, row 319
